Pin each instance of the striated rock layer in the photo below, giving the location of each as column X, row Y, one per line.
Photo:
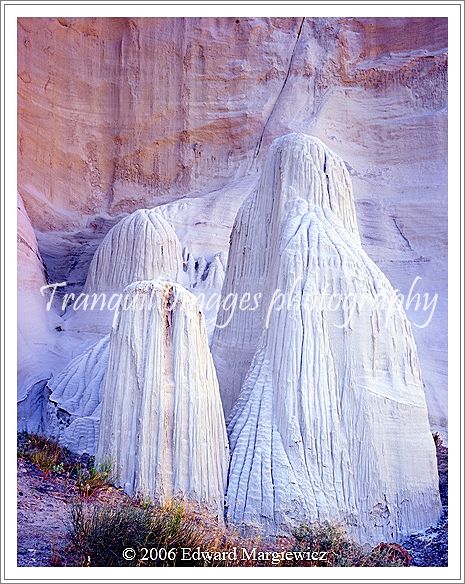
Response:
column 75, row 399
column 97, row 135
column 120, row 114
column 332, row 411
column 143, row 246
column 297, row 166
column 161, row 422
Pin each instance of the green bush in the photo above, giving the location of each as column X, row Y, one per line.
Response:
column 91, row 479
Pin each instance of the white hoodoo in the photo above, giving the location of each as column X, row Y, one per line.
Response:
column 162, row 422
column 297, row 167
column 143, row 246
column 331, row 422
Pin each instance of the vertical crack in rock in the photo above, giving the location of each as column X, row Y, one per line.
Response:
column 325, row 171
column 401, row 233
column 291, row 60
column 331, row 409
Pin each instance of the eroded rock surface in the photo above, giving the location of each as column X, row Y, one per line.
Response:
column 143, row 246
column 115, row 115
column 332, row 410
column 75, row 397
column 297, row 167
column 162, row 423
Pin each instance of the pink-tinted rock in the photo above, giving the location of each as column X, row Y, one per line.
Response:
column 117, row 114
column 121, row 113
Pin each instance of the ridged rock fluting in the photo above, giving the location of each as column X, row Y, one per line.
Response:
column 331, row 423
column 297, row 166
column 75, row 399
column 143, row 246
column 162, row 423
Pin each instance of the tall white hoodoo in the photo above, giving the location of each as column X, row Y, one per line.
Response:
column 297, row 167
column 162, row 423
column 331, row 421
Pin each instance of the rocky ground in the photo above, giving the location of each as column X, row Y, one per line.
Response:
column 44, row 515
column 45, row 501
column 429, row 548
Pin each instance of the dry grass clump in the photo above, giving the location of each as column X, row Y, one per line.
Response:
column 388, row 555
column 44, row 452
column 158, row 535
column 176, row 534
column 51, row 458
column 334, row 548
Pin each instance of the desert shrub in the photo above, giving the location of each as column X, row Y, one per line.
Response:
column 50, row 457
column 387, row 554
column 330, row 543
column 334, row 547
column 101, row 532
column 90, row 479
column 42, row 451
